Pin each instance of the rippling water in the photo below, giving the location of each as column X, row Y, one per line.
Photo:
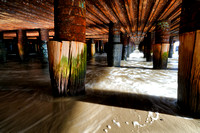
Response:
column 130, row 98
column 134, row 76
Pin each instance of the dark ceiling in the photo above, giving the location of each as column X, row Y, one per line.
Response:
column 136, row 16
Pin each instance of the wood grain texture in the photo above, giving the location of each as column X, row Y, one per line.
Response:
column 186, row 50
column 67, row 65
column 160, row 55
column 156, row 55
column 69, row 20
column 21, row 43
column 194, row 97
column 93, row 51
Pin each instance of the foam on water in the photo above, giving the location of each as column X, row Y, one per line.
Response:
column 134, row 76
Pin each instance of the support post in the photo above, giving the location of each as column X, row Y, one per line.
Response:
column 145, row 47
column 68, row 53
column 161, row 46
column 97, row 47
column 124, row 40
column 2, row 49
column 171, row 47
column 93, row 51
column 189, row 58
column 44, row 34
column 114, row 46
column 101, row 48
column 21, row 35
column 90, row 48
column 148, row 47
column 128, row 47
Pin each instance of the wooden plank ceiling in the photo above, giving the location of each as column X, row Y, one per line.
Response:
column 136, row 16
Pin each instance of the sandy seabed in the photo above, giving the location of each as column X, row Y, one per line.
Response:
column 126, row 99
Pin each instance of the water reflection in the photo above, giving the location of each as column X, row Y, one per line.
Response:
column 138, row 99
column 134, row 76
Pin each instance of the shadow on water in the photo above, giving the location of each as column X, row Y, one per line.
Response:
column 18, row 106
column 26, row 99
column 130, row 100
column 136, row 101
column 174, row 69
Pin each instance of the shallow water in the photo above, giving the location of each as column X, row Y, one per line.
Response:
column 134, row 76
column 130, row 98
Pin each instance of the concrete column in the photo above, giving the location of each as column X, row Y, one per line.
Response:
column 114, row 46
column 124, row 40
column 68, row 53
column 21, row 35
column 2, row 49
column 189, row 57
column 171, row 47
column 161, row 46
column 44, row 34
column 148, row 47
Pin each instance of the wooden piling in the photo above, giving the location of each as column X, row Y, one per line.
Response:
column 114, row 45
column 93, row 50
column 161, row 46
column 124, row 41
column 21, row 34
column 68, row 53
column 67, row 65
column 171, row 47
column 148, row 47
column 44, row 34
column 189, row 59
column 2, row 49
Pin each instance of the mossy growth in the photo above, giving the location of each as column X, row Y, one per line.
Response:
column 71, row 71
column 165, row 56
column 78, row 69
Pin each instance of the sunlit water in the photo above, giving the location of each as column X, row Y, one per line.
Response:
column 134, row 76
column 27, row 104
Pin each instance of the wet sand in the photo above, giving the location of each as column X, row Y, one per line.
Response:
column 130, row 98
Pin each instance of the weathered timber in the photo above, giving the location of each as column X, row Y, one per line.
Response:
column 90, row 48
column 190, row 20
column 189, row 59
column 114, row 45
column 68, row 53
column 44, row 34
column 136, row 16
column 21, row 34
column 101, row 47
column 97, row 48
column 161, row 46
column 69, row 19
column 128, row 47
column 93, row 50
column 124, row 41
column 2, row 49
column 160, row 56
column 148, row 47
column 144, row 42
column 171, row 47
column 67, row 65
column 188, row 74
